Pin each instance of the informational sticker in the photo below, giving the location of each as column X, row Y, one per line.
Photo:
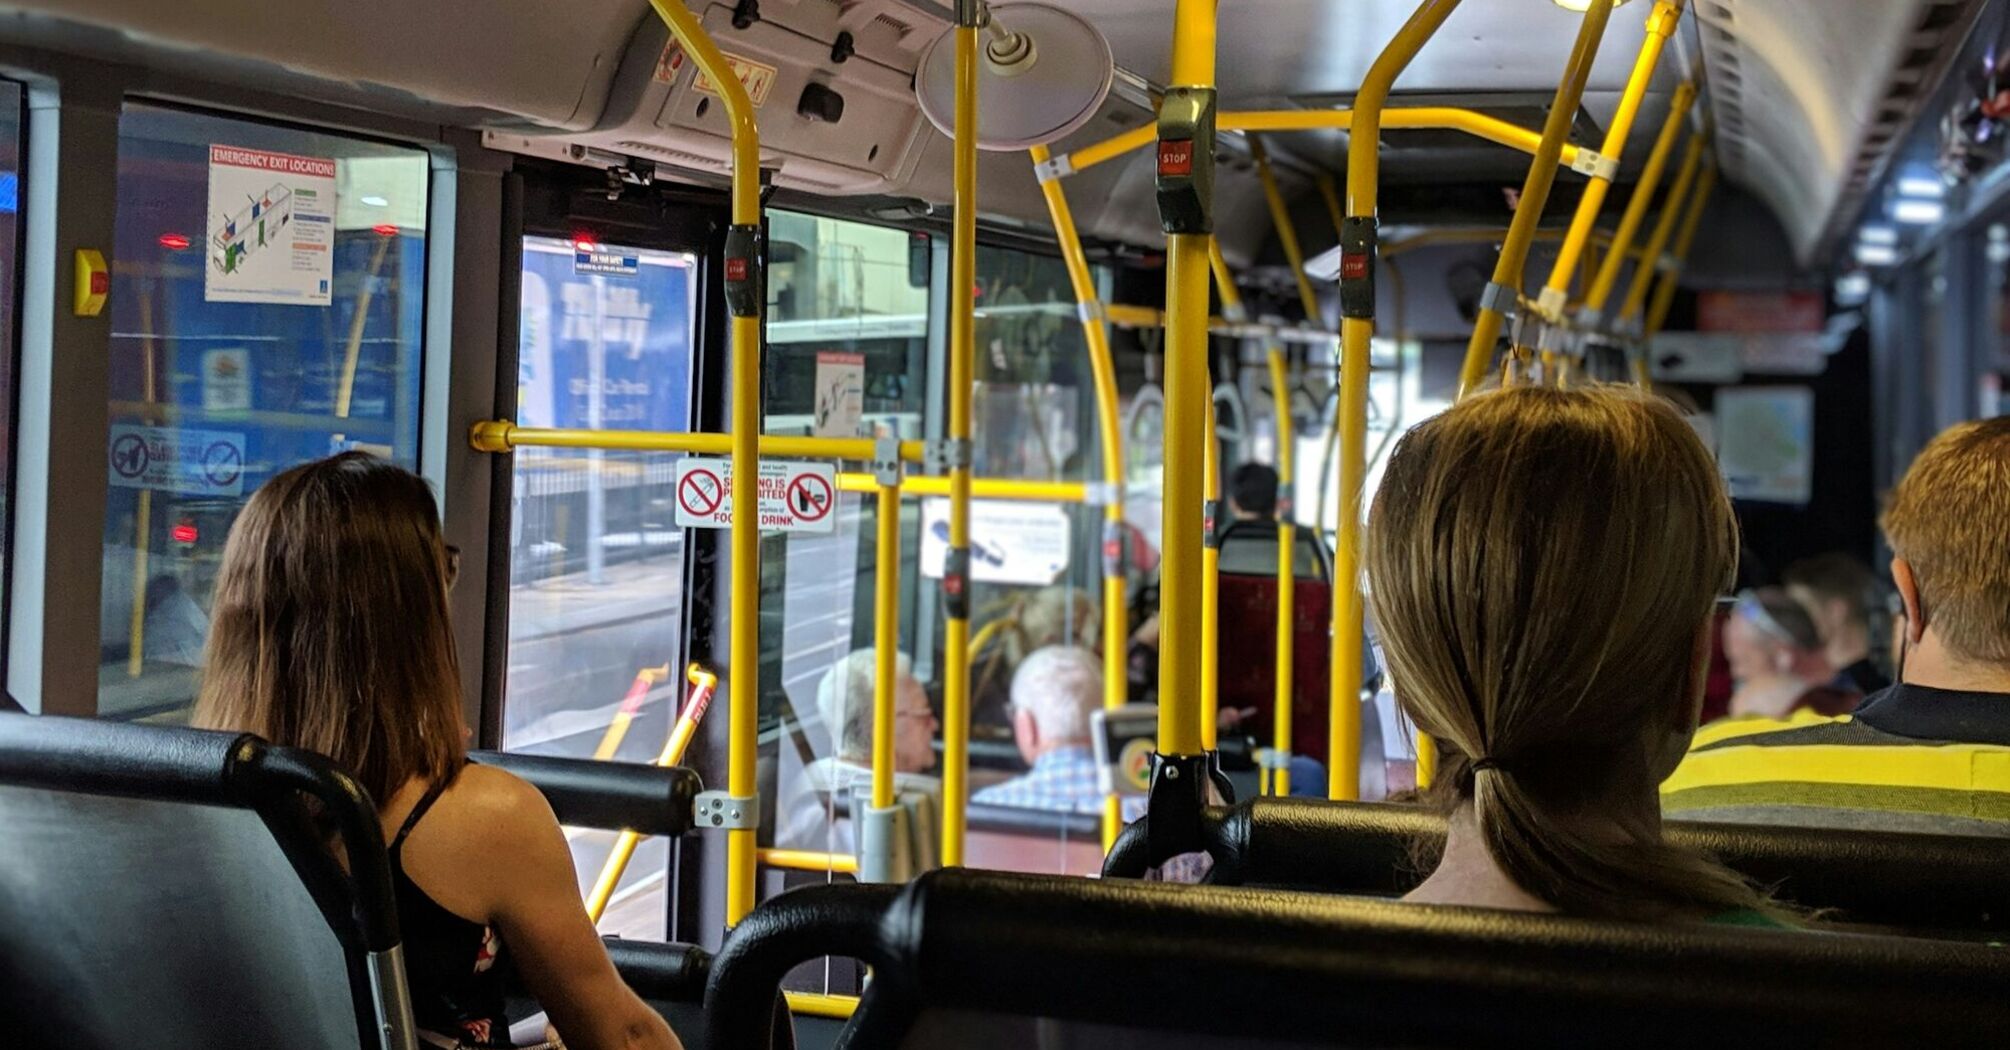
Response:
column 226, row 379
column 271, row 234
column 1765, row 442
column 1010, row 541
column 796, row 496
column 840, row 402
column 172, row 459
column 1698, row 357
column 591, row 259
column 757, row 77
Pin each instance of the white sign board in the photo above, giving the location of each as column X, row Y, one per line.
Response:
column 840, row 402
column 171, row 459
column 226, row 380
column 796, row 496
column 1010, row 541
column 1698, row 357
column 271, row 235
column 1765, row 442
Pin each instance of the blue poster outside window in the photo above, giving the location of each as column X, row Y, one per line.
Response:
column 605, row 347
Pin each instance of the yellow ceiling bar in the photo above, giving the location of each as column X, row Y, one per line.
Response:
column 812, row 1004
column 1555, row 296
column 1505, row 288
column 1664, row 292
column 1357, row 331
column 1287, row 236
column 1103, row 372
column 980, row 488
column 970, row 16
column 807, row 860
column 1664, row 228
column 742, row 262
column 1492, row 129
column 1636, row 205
column 501, row 435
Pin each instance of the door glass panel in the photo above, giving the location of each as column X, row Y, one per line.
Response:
column 267, row 308
column 10, row 261
column 596, row 557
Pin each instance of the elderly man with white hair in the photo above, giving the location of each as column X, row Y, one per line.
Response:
column 1054, row 692
column 845, row 705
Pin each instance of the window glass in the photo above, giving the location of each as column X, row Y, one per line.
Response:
column 596, row 556
column 267, row 302
column 10, row 279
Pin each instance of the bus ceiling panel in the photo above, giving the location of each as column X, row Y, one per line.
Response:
column 452, row 61
column 1808, row 94
column 1498, row 45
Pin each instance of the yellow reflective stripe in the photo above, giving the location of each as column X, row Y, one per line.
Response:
column 1746, row 725
column 1954, row 767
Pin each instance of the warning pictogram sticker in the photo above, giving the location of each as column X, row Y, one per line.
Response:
column 796, row 496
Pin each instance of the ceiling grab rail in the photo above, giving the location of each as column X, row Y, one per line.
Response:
column 1664, row 292
column 1358, row 240
column 1555, row 296
column 1503, row 292
column 1592, row 317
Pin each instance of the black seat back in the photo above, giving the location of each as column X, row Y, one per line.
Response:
column 1111, row 963
column 172, row 887
column 1946, row 883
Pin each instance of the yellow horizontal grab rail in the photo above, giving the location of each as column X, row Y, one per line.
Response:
column 1479, row 125
column 807, row 860
column 980, row 488
column 814, row 1004
column 497, row 435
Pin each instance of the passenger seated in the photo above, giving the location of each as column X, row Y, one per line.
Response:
column 1543, row 566
column 1931, row 753
column 1054, row 692
column 330, row 632
column 1843, row 597
column 1777, row 664
column 845, row 704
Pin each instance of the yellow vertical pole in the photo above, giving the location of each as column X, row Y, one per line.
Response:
column 703, row 683
column 885, row 642
column 1331, row 196
column 962, row 363
column 1357, row 332
column 743, row 261
column 1102, row 369
column 1636, row 205
column 1507, row 278
column 1210, row 581
column 1661, row 24
column 1664, row 228
column 143, row 518
column 1664, row 291
column 1187, row 391
column 1287, row 236
column 1287, row 577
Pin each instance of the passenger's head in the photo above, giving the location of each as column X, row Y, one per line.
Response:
column 330, row 628
column 1252, row 492
column 1058, row 615
column 1948, row 525
column 1770, row 635
column 1054, row 692
column 1544, row 565
column 845, row 703
column 1838, row 591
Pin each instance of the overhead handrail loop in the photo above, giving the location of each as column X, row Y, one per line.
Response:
column 1358, row 246
column 745, row 290
column 1507, row 276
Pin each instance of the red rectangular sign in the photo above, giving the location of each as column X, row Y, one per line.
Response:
column 1176, row 157
column 736, row 269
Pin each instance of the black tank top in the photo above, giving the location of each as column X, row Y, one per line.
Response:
column 454, row 965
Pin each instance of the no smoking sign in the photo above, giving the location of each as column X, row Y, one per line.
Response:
column 796, row 496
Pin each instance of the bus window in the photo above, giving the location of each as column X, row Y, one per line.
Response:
column 848, row 356
column 268, row 291
column 596, row 556
column 10, row 197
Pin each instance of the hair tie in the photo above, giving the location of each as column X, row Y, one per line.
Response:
column 1484, row 763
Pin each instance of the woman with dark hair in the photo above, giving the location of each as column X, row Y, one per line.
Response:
column 330, row 632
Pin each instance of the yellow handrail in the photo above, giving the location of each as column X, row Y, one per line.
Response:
column 814, row 1004
column 962, row 368
column 1507, row 277
column 703, row 685
column 885, row 642
column 1664, row 292
column 1664, row 228
column 1287, row 235
column 1636, row 205
column 1492, row 129
column 501, row 435
column 1357, row 330
column 1287, row 575
column 1661, row 25
column 980, row 488
column 1103, row 371
column 743, row 718
column 1187, row 389
column 807, row 860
